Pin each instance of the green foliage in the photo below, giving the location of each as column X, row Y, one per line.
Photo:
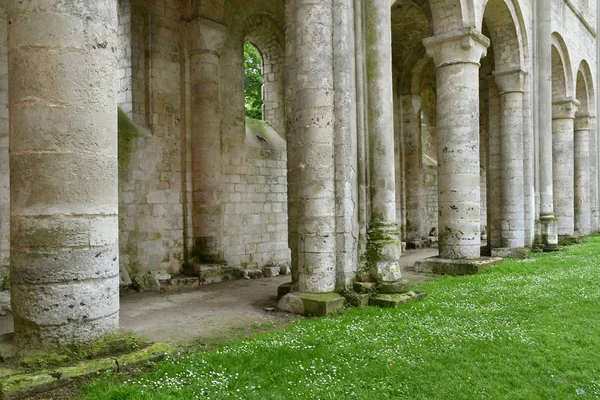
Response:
column 526, row 329
column 253, row 81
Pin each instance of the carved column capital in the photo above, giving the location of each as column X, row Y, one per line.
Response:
column 457, row 47
column 510, row 80
column 564, row 108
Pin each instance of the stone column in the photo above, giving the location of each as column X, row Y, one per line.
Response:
column 544, row 99
column 346, row 154
column 583, row 210
column 63, row 168
column 563, row 166
column 416, row 213
column 384, row 246
column 494, row 170
column 510, row 85
column 207, row 213
column 311, row 133
column 456, row 55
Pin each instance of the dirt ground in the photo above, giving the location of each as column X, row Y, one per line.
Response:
column 215, row 311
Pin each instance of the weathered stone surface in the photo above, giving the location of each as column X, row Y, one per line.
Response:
column 270, row 271
column 251, row 273
column 284, row 289
column 146, row 282
column 321, row 304
column 284, row 269
column 395, row 300
column 517, row 252
column 124, row 278
column 357, row 299
column 4, row 302
column 181, row 283
column 363, row 287
column 291, row 303
column 400, row 286
column 444, row 266
column 161, row 276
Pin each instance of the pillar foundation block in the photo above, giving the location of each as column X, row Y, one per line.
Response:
column 384, row 249
column 567, row 240
column 312, row 304
column 549, row 233
column 397, row 287
column 515, row 252
column 445, row 266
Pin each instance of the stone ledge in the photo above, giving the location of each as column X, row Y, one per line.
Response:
column 567, row 240
column 395, row 300
column 17, row 384
column 519, row 252
column 442, row 266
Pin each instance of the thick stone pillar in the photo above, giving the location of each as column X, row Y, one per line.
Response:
column 563, row 166
column 456, row 55
column 416, row 205
column 207, row 210
column 63, row 168
column 583, row 181
column 384, row 246
column 548, row 222
column 510, row 85
column 311, row 133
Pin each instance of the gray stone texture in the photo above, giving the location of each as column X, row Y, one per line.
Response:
column 64, row 192
column 563, row 171
column 457, row 56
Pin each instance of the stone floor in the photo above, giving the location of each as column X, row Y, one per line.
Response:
column 214, row 310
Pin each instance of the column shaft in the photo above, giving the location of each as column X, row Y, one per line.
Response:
column 416, row 213
column 494, row 170
column 205, row 80
column 544, row 100
column 563, row 118
column 310, row 127
column 346, row 153
column 457, row 56
column 510, row 84
column 384, row 239
column 63, row 161
column 583, row 210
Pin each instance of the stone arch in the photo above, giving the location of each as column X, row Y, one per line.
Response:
column 268, row 37
column 584, row 89
column 506, row 34
column 562, row 81
column 411, row 23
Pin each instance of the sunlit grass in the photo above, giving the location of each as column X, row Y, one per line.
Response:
column 526, row 329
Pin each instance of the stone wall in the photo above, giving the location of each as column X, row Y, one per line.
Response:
column 254, row 158
column 4, row 167
column 150, row 161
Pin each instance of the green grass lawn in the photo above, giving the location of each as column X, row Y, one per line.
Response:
column 527, row 329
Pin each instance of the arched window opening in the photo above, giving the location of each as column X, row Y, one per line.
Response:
column 253, row 82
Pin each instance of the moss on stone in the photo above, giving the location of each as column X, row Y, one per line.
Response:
column 4, row 278
column 19, row 385
column 120, row 342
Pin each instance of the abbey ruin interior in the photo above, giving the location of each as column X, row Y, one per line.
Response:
column 469, row 125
